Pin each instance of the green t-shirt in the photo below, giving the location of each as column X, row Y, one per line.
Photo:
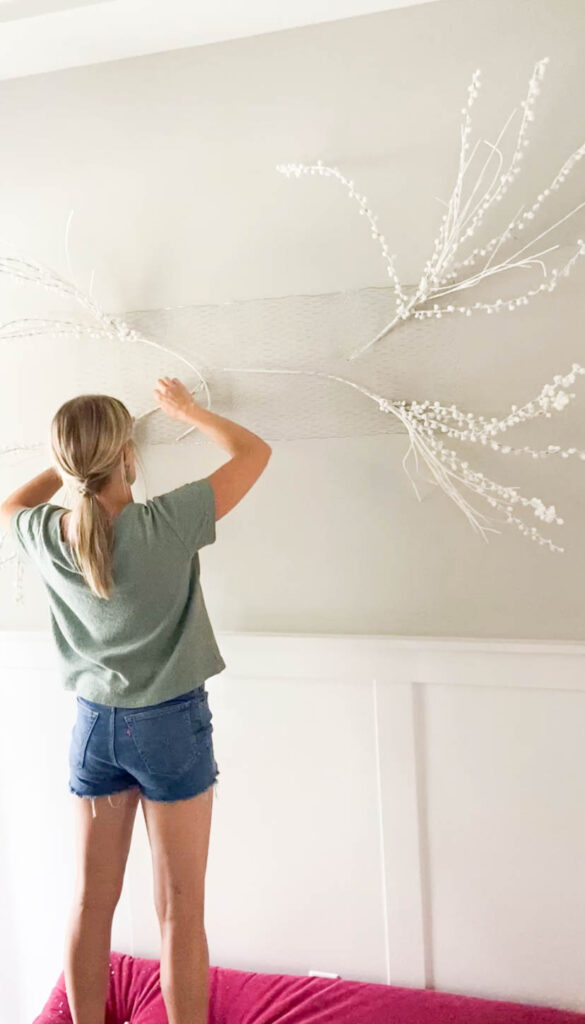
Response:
column 152, row 640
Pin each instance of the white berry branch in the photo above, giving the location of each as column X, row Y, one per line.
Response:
column 423, row 420
column 444, row 273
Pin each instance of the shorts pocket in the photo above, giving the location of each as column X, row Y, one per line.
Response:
column 82, row 730
column 164, row 738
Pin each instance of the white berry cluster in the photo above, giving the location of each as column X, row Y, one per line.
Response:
column 465, row 213
column 426, row 419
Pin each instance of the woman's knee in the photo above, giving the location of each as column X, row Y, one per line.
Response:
column 181, row 910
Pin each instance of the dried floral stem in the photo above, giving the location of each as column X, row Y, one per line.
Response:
column 422, row 427
column 441, row 274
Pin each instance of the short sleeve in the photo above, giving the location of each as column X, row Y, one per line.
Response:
column 190, row 511
column 25, row 528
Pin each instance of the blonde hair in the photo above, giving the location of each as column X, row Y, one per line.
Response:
column 88, row 435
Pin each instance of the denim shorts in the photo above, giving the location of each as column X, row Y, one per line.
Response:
column 165, row 749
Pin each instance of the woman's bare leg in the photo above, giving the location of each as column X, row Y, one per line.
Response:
column 103, row 843
column 178, row 832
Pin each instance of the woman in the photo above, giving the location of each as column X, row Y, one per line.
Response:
column 136, row 646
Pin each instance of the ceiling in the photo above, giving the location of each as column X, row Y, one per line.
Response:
column 37, row 36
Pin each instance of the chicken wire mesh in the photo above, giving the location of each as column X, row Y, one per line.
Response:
column 302, row 333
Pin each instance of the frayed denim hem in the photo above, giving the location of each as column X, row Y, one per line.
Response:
column 211, row 790
column 94, row 797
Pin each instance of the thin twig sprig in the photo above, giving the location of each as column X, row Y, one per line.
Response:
column 445, row 272
column 423, row 421
column 104, row 326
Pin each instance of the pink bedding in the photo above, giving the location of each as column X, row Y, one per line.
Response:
column 250, row 997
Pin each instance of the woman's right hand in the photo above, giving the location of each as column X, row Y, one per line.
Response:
column 174, row 399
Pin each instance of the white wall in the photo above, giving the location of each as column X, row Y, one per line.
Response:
column 169, row 163
column 401, row 811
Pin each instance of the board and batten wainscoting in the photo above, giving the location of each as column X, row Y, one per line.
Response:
column 402, row 810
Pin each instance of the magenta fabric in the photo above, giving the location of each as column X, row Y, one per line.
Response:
column 251, row 997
